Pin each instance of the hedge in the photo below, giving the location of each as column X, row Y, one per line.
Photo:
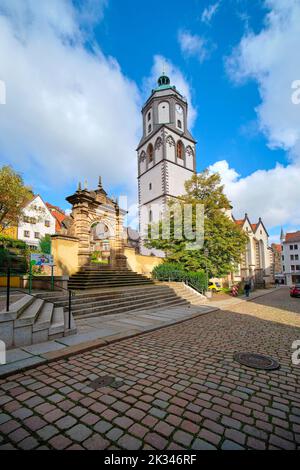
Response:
column 176, row 272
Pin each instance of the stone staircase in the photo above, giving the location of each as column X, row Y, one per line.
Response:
column 187, row 293
column 120, row 300
column 104, row 276
column 33, row 320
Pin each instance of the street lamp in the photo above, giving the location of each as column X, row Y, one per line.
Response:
column 206, row 253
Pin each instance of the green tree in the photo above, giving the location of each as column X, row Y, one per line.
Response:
column 224, row 241
column 45, row 245
column 14, row 195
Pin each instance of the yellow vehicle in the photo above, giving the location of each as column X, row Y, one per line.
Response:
column 214, row 286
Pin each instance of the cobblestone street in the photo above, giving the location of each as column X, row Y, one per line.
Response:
column 179, row 388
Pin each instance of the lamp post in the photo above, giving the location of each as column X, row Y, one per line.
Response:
column 206, row 253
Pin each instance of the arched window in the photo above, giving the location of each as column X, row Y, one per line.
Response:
column 150, row 153
column 179, row 124
column 180, row 149
column 150, row 216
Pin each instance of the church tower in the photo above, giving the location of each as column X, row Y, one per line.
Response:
column 166, row 153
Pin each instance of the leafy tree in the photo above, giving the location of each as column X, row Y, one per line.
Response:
column 13, row 197
column 45, row 245
column 224, row 241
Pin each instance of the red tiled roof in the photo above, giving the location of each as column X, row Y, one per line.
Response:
column 293, row 236
column 277, row 247
column 254, row 227
column 58, row 214
column 240, row 221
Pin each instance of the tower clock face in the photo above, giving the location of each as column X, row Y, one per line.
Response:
column 179, row 109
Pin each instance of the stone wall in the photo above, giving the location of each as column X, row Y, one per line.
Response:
column 140, row 263
column 65, row 252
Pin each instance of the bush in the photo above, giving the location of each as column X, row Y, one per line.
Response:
column 8, row 242
column 169, row 272
column 178, row 273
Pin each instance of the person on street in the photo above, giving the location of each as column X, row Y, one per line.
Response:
column 247, row 289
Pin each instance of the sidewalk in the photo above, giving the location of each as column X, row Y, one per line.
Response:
column 101, row 331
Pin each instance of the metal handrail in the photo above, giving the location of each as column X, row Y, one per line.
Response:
column 8, row 290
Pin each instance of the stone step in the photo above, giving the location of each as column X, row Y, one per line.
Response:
column 144, row 306
column 19, row 306
column 44, row 318
column 104, row 285
column 106, row 295
column 30, row 314
column 122, row 302
column 58, row 322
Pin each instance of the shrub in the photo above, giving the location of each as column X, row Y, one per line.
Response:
column 169, row 272
column 178, row 273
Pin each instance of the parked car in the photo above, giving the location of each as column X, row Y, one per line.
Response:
column 295, row 291
column 214, row 286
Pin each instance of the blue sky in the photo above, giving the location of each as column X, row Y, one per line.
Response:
column 79, row 114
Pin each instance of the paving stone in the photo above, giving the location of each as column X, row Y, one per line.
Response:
column 230, row 445
column 29, row 443
column 66, row 422
column 96, row 442
column 114, row 434
column 129, row 443
column 199, row 444
column 102, row 426
column 60, row 442
column 79, row 433
column 183, row 438
column 47, row 432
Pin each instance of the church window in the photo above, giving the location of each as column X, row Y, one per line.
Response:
column 150, row 186
column 150, row 153
column 149, row 128
column 150, row 216
column 149, row 116
column 179, row 124
column 180, row 149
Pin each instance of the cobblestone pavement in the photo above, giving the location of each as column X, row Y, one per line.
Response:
column 180, row 389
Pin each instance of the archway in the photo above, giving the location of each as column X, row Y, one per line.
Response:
column 101, row 238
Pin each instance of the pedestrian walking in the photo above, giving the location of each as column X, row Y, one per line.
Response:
column 247, row 289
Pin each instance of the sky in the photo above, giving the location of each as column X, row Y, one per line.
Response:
column 77, row 72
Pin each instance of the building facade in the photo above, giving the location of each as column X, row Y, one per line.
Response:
column 290, row 243
column 166, row 154
column 37, row 221
column 256, row 263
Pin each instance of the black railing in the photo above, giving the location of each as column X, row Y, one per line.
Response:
column 194, row 286
column 8, row 272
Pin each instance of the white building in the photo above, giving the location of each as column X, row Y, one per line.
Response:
column 256, row 263
column 291, row 257
column 37, row 221
column 166, row 154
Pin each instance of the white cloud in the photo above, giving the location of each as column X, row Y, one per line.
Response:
column 193, row 45
column 272, row 194
column 70, row 112
column 209, row 12
column 177, row 78
column 270, row 58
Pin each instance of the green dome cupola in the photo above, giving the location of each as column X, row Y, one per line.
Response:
column 163, row 80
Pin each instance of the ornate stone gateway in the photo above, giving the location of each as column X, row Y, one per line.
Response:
column 97, row 224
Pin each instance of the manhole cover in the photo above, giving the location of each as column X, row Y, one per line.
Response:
column 256, row 361
column 105, row 381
